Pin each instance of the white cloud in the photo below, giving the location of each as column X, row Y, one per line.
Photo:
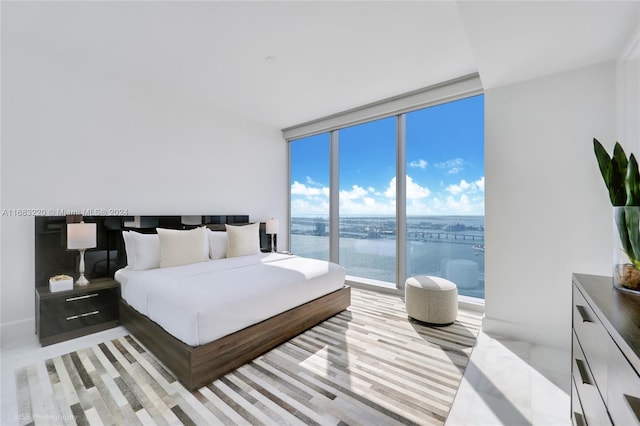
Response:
column 298, row 188
column 459, row 188
column 414, row 190
column 422, row 207
column 466, row 187
column 359, row 200
column 367, row 205
column 453, row 166
column 465, row 205
column 312, row 182
column 464, row 198
column 301, row 206
column 308, row 200
column 391, row 189
column 421, row 164
column 449, row 205
column 462, row 204
column 355, row 193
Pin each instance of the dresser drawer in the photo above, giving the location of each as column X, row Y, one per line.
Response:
column 577, row 414
column 594, row 409
column 592, row 335
column 623, row 394
column 70, row 322
column 77, row 303
column 69, row 314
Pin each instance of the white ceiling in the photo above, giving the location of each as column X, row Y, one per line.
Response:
column 515, row 41
column 329, row 56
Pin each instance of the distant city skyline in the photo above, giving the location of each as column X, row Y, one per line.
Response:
column 444, row 163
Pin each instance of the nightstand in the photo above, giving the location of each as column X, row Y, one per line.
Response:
column 84, row 310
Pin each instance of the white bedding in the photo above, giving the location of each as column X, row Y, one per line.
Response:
column 202, row 302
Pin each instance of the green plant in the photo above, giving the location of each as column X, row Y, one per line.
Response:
column 622, row 178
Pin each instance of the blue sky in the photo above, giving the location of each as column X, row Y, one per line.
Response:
column 445, row 165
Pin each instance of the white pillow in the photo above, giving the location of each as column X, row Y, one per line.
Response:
column 129, row 248
column 218, row 243
column 243, row 240
column 183, row 247
column 147, row 250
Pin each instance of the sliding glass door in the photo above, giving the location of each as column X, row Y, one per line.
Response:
column 309, row 186
column 367, row 199
column 445, row 193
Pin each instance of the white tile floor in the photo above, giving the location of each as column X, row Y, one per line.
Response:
column 506, row 383
column 509, row 382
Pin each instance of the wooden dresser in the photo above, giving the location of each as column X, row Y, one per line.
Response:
column 605, row 385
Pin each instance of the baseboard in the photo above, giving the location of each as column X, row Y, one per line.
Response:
column 524, row 332
column 470, row 303
column 464, row 302
column 18, row 333
column 373, row 285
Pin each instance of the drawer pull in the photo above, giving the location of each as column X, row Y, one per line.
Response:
column 86, row 296
column 579, row 419
column 583, row 372
column 634, row 403
column 87, row 314
column 583, row 313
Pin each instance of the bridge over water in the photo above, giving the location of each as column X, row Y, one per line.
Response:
column 362, row 228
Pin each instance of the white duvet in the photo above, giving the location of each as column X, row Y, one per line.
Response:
column 202, row 302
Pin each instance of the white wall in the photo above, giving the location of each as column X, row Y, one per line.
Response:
column 547, row 210
column 628, row 108
column 76, row 137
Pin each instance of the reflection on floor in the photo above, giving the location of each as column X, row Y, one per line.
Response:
column 509, row 382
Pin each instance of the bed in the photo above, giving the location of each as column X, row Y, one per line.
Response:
column 205, row 319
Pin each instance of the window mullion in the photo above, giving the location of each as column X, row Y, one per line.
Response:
column 401, row 204
column 334, row 197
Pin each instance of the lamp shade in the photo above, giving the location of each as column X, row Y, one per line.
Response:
column 81, row 235
column 272, row 226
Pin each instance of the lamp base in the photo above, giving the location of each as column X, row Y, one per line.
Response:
column 82, row 280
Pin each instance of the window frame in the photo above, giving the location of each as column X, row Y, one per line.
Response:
column 398, row 106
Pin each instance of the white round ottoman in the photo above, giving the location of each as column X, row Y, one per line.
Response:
column 432, row 300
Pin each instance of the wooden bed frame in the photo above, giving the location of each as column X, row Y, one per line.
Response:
column 198, row 366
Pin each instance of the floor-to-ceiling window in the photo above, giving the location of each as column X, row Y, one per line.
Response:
column 309, row 186
column 367, row 199
column 397, row 194
column 445, row 193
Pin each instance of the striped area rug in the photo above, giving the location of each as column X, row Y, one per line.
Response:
column 368, row 365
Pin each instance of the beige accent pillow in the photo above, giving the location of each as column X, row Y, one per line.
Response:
column 243, row 240
column 183, row 247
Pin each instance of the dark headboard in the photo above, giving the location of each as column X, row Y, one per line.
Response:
column 52, row 256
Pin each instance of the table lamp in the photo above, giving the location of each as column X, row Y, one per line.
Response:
column 272, row 229
column 81, row 236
